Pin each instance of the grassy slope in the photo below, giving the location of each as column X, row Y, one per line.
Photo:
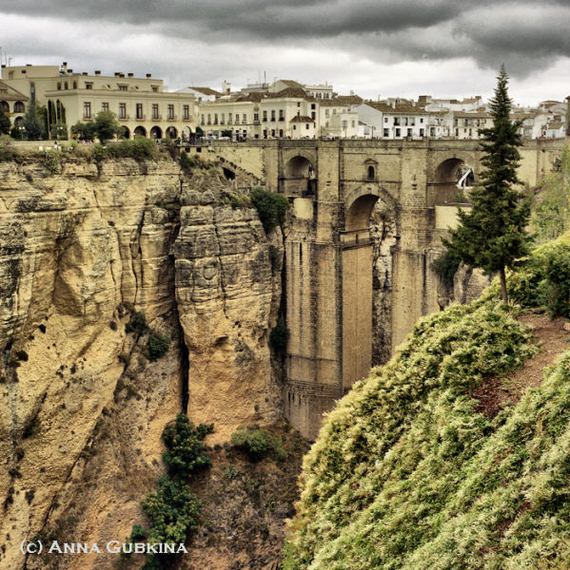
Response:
column 407, row 473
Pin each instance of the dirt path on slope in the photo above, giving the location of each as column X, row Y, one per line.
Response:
column 553, row 338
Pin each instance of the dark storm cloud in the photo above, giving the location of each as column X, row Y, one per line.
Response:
column 524, row 35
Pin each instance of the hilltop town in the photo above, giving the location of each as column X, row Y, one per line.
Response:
column 282, row 109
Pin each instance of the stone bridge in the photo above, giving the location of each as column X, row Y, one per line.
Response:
column 341, row 191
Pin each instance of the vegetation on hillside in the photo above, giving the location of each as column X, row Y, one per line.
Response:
column 492, row 234
column 410, row 472
column 172, row 510
column 551, row 210
column 271, row 208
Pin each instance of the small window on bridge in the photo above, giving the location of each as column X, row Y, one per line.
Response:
column 371, row 173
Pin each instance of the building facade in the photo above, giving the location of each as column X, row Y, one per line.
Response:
column 141, row 104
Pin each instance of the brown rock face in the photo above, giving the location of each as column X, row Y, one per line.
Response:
column 81, row 405
column 227, row 296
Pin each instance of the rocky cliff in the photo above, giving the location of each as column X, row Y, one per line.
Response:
column 84, row 246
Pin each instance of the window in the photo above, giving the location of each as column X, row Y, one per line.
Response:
column 264, row 116
column 139, row 111
column 154, row 88
column 86, row 110
column 371, row 173
column 202, row 121
column 59, row 85
column 88, row 85
column 215, row 118
column 273, row 115
column 409, row 131
column 123, row 87
column 244, row 118
column 171, row 112
column 222, row 118
column 122, row 110
column 313, row 115
column 18, row 107
column 421, row 132
column 398, row 132
column 397, row 121
column 385, row 119
column 313, row 106
column 66, row 86
column 105, row 107
column 255, row 117
column 186, row 113
column 209, row 119
column 237, row 118
column 307, row 126
column 386, row 133
column 327, row 112
column 155, row 114
column 421, row 119
column 230, row 118
column 281, row 115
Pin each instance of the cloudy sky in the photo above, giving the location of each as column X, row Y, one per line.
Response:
column 374, row 47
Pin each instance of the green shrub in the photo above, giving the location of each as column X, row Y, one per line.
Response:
column 279, row 337
column 139, row 149
column 172, row 510
column 137, row 323
column 51, row 162
column 557, row 280
column 446, row 266
column 158, row 345
column 258, row 443
column 271, row 208
column 185, row 451
column 188, row 163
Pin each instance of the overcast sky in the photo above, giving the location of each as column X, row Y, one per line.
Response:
column 374, row 47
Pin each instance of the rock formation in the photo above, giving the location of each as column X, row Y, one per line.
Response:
column 83, row 406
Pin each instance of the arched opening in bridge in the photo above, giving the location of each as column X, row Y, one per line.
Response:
column 358, row 215
column 228, row 174
column 453, row 179
column 171, row 132
column 140, row 131
column 156, row 132
column 300, row 177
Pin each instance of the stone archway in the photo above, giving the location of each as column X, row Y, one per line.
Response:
column 300, row 177
column 124, row 133
column 140, row 131
column 156, row 132
column 171, row 132
column 453, row 177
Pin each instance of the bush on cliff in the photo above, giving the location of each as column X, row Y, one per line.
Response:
column 258, row 443
column 185, row 451
column 137, row 323
column 409, row 472
column 271, row 208
column 158, row 345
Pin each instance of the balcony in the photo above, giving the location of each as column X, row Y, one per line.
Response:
column 171, row 117
column 141, row 118
column 124, row 118
column 157, row 117
column 187, row 118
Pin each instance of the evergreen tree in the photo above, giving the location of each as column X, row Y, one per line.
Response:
column 4, row 122
column 34, row 124
column 493, row 234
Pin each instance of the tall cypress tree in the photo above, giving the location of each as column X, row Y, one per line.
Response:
column 493, row 234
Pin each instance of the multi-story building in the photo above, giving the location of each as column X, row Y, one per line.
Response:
column 14, row 104
column 468, row 125
column 141, row 104
column 395, row 119
column 289, row 113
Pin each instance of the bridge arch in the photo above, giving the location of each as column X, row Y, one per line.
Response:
column 360, row 203
column 451, row 176
column 300, row 176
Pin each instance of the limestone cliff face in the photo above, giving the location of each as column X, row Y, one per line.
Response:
column 228, row 296
column 82, row 407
